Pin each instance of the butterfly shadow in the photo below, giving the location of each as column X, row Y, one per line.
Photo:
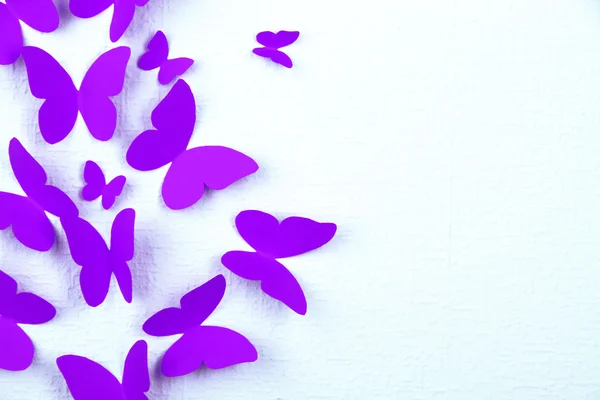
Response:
column 139, row 266
column 64, row 13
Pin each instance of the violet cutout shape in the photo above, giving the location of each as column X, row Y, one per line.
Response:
column 157, row 56
column 123, row 13
column 40, row 15
column 27, row 214
column 272, row 42
column 216, row 167
column 97, row 186
column 214, row 346
column 273, row 240
column 16, row 348
column 48, row 80
column 98, row 262
column 88, row 380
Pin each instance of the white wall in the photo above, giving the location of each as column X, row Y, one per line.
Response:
column 455, row 143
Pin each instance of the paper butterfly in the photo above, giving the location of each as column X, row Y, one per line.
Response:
column 98, row 261
column 88, row 380
column 214, row 346
column 123, row 13
column 16, row 348
column 157, row 57
column 272, row 42
column 49, row 81
column 27, row 214
column 214, row 166
column 97, row 186
column 40, row 15
column 273, row 240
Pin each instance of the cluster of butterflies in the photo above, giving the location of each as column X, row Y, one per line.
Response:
column 191, row 171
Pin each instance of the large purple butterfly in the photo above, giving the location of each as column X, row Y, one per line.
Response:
column 98, row 261
column 27, row 214
column 97, row 186
column 48, row 80
column 123, row 13
column 214, row 346
column 157, row 56
column 16, row 348
column 40, row 15
column 216, row 167
column 273, row 240
column 272, row 42
column 88, row 380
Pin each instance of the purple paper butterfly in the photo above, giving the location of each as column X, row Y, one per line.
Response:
column 157, row 57
column 16, row 348
column 88, row 380
column 97, row 186
column 123, row 13
column 48, row 80
column 214, row 346
column 40, row 15
column 27, row 214
column 98, row 261
column 272, row 42
column 273, row 240
column 214, row 166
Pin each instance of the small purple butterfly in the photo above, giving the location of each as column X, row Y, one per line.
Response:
column 272, row 42
column 97, row 186
column 157, row 57
column 273, row 240
column 40, row 15
column 16, row 348
column 98, row 262
column 88, row 380
column 214, row 346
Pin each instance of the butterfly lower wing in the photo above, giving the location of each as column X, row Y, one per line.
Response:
column 122, row 17
column 88, row 380
column 28, row 308
column 298, row 235
column 29, row 222
column 29, row 173
column 276, row 280
column 95, row 181
column 157, row 54
column 8, row 290
column 104, row 79
column 122, row 250
column 216, row 347
column 136, row 379
column 171, row 69
column 112, row 191
column 214, row 166
column 40, row 15
column 87, row 8
column 16, row 348
column 11, row 37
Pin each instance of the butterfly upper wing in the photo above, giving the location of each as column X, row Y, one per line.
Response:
column 122, row 250
column 157, row 54
column 201, row 302
column 171, row 69
column 174, row 119
column 29, row 173
column 214, row 166
column 88, row 8
column 275, row 55
column 276, row 280
column 11, row 37
column 30, row 224
column 214, row 346
column 48, row 80
column 258, row 229
column 40, row 15
column 122, row 17
column 298, row 235
column 112, row 191
column 8, row 290
column 16, row 348
column 277, row 40
column 136, row 379
column 167, row 322
column 103, row 80
column 94, row 177
column 88, row 380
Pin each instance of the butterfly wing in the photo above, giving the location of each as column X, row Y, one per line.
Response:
column 214, row 166
column 157, row 54
column 88, row 380
column 112, row 191
column 28, row 308
column 171, row 69
column 214, row 346
column 258, row 229
column 298, row 235
column 11, row 37
column 167, row 322
column 49, row 81
column 30, row 224
column 40, row 15
column 122, row 250
column 94, row 177
column 8, row 290
column 174, row 119
column 276, row 280
column 88, row 8
column 276, row 56
column 103, row 80
column 122, row 17
column 136, row 379
column 16, row 348
column 277, row 40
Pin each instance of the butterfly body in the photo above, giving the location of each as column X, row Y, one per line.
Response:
column 157, row 56
column 272, row 43
column 213, row 346
column 271, row 241
column 97, row 186
column 215, row 167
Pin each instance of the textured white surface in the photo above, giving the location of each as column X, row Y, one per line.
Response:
column 456, row 144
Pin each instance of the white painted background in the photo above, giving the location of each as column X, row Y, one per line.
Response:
column 455, row 143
